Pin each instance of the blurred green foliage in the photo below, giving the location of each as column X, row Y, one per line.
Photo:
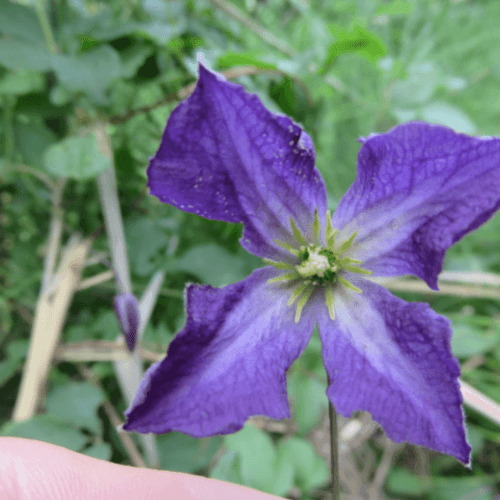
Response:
column 342, row 69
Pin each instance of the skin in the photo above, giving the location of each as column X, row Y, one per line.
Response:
column 33, row 470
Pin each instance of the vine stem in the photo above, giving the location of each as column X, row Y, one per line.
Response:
column 334, row 452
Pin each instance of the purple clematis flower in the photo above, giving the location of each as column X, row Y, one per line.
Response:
column 419, row 189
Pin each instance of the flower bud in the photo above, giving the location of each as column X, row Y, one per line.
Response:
column 127, row 312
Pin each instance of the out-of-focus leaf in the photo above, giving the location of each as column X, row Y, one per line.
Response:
column 257, row 456
column 76, row 403
column 161, row 32
column 419, row 86
column 48, row 429
column 16, row 352
column 91, row 72
column 182, row 453
column 32, row 139
column 311, row 470
column 395, row 7
column 17, row 54
column 467, row 341
column 460, row 488
column 446, row 114
column 309, row 398
column 145, row 238
column 76, row 157
column 403, row 482
column 20, row 21
column 133, row 57
column 230, row 59
column 228, row 468
column 212, row 264
column 356, row 39
column 102, row 451
column 21, row 82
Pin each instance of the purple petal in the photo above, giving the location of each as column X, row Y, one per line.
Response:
column 393, row 359
column 228, row 362
column 419, row 189
column 225, row 156
column 127, row 312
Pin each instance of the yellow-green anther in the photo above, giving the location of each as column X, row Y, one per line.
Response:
column 359, row 270
column 298, row 291
column 329, row 302
column 349, row 285
column 347, row 244
column 302, row 302
column 284, row 277
column 279, row 265
column 316, row 227
column 287, row 247
column 297, row 233
column 330, row 233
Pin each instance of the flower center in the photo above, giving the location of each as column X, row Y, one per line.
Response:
column 317, row 264
column 318, row 267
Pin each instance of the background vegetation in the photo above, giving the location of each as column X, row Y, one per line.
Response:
column 86, row 88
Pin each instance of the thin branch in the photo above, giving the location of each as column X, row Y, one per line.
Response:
column 96, row 280
column 186, row 91
column 127, row 441
column 37, row 173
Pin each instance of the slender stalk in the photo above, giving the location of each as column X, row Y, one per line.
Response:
column 45, row 23
column 334, row 452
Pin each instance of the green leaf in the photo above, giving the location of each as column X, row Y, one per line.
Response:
column 20, row 21
column 356, row 39
column 133, row 57
column 76, row 157
column 461, row 488
column 102, row 451
column 48, row 429
column 445, row 114
column 212, row 264
column 21, row 82
column 16, row 352
column 182, row 453
column 16, row 54
column 403, row 482
column 467, row 341
column 32, row 139
column 76, row 403
column 147, row 240
column 309, row 398
column 228, row 468
column 257, row 457
column 394, row 8
column 230, row 59
column 310, row 469
column 91, row 72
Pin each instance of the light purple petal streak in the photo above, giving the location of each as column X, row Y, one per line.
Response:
column 228, row 362
column 224, row 156
column 419, row 189
column 393, row 359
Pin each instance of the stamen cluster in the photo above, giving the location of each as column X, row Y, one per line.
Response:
column 320, row 266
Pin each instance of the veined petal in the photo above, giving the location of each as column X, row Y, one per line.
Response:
column 224, row 156
column 228, row 362
column 419, row 189
column 393, row 359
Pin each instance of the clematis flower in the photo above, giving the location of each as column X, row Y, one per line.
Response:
column 418, row 190
column 128, row 314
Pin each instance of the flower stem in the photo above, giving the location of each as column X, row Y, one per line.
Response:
column 334, row 452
